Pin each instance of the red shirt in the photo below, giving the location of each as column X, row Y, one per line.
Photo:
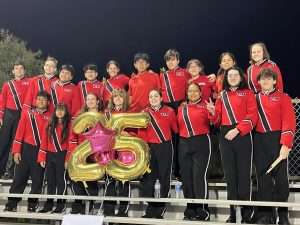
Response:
column 219, row 83
column 162, row 122
column 66, row 93
column 276, row 113
column 140, row 86
column 37, row 83
column 87, row 87
column 118, row 81
column 53, row 143
column 13, row 94
column 207, row 87
column 193, row 119
column 25, row 131
column 173, row 84
column 236, row 107
column 252, row 73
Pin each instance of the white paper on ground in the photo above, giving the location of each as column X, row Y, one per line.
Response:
column 70, row 219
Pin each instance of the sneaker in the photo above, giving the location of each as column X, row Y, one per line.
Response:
column 284, row 221
column 231, row 219
column 10, row 209
column 59, row 209
column 7, row 176
column 47, row 208
column 32, row 209
column 265, row 220
column 122, row 214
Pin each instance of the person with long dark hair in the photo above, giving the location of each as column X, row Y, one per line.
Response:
column 194, row 151
column 52, row 156
column 236, row 112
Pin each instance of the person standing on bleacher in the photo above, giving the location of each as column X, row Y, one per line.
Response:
column 11, row 101
column 25, row 152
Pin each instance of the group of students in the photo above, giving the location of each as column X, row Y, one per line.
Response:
column 179, row 103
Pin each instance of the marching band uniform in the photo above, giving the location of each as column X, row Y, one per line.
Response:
column 194, row 156
column 275, row 127
column 158, row 136
column 37, row 84
column 207, row 87
column 65, row 93
column 237, row 109
column 139, row 87
column 118, row 81
column 53, row 151
column 11, row 101
column 253, row 70
column 85, row 87
column 27, row 142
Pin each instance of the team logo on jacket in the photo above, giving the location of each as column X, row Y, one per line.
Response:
column 201, row 83
column 180, row 74
column 96, row 86
column 241, row 94
column 164, row 114
column 201, row 106
column 68, row 90
column 275, row 99
column 46, row 117
column 25, row 83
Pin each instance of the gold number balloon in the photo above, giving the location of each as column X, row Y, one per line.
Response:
column 104, row 137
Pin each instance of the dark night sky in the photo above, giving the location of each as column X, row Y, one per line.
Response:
column 83, row 31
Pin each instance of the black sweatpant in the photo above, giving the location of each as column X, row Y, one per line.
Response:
column 27, row 167
column 161, row 156
column 114, row 187
column 194, row 158
column 56, row 175
column 175, row 141
column 237, row 165
column 266, row 150
column 7, row 134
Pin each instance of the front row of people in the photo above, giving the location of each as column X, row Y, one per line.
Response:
column 237, row 112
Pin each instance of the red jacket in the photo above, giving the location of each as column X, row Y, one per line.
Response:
column 66, row 93
column 252, row 73
column 86, row 87
column 173, row 84
column 30, row 129
column 276, row 113
column 162, row 122
column 193, row 119
column 13, row 94
column 36, row 84
column 53, row 143
column 118, row 81
column 140, row 86
column 207, row 87
column 236, row 107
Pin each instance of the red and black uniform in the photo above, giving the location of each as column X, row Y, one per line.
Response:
column 118, row 81
column 253, row 70
column 139, row 87
column 65, row 93
column 78, row 187
column 219, row 84
column 37, row 84
column 194, row 155
column 207, row 87
column 85, row 87
column 114, row 187
column 237, row 109
column 275, row 127
column 11, row 101
column 27, row 143
column 158, row 135
column 53, row 151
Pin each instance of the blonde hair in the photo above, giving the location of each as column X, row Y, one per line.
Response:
column 266, row 54
column 114, row 93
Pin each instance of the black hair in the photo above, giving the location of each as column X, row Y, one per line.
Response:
column 142, row 56
column 44, row 94
column 69, row 68
column 243, row 83
column 221, row 70
column 90, row 67
column 170, row 54
column 267, row 72
column 18, row 63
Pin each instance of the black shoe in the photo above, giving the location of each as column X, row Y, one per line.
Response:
column 265, row 220
column 148, row 216
column 108, row 213
column 122, row 214
column 159, row 217
column 231, row 219
column 32, row 209
column 191, row 218
column 47, row 208
column 10, row 209
column 7, row 176
column 247, row 220
column 283, row 221
column 76, row 209
column 59, row 209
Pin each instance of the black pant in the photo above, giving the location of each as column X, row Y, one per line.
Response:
column 266, row 151
column 114, row 187
column 27, row 167
column 160, row 164
column 194, row 158
column 7, row 134
column 237, row 164
column 79, row 189
column 56, row 175
column 175, row 141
